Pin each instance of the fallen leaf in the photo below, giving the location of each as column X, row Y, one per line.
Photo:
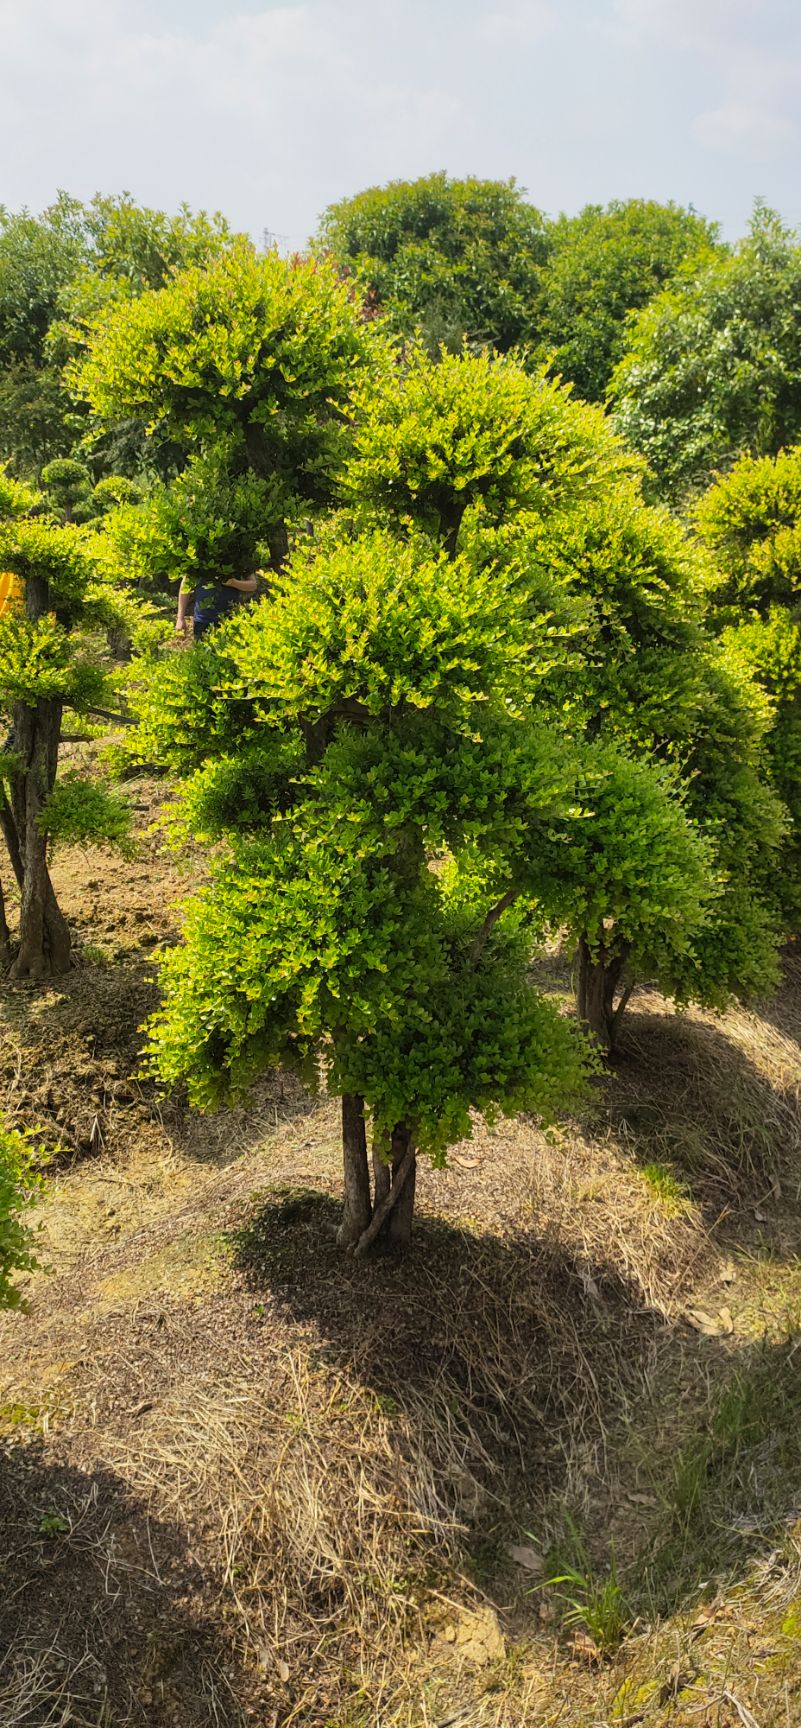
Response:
column 761, row 1217
column 283, row 1670
column 583, row 1645
column 642, row 1500
column 528, row 1558
column 725, row 1320
column 705, row 1323
column 465, row 1163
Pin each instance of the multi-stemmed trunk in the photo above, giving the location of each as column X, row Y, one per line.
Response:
column 386, row 1213
column 599, row 975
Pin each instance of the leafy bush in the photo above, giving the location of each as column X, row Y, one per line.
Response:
column 18, row 1189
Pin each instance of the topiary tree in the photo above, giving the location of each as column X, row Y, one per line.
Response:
column 454, row 258
column 360, row 752
column 751, row 523
column 648, row 679
column 48, row 663
column 516, row 475
column 18, row 1186
column 712, row 368
column 242, row 368
column 604, row 264
column 67, row 488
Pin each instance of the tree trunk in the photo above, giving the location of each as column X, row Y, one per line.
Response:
column 598, row 979
column 382, row 1177
column 44, row 940
column 5, row 938
column 357, row 1210
column 8, row 828
column 399, row 1222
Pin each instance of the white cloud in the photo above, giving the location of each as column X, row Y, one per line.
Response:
column 741, row 128
column 522, row 24
column 271, row 111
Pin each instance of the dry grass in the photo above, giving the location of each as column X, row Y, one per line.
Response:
column 243, row 1482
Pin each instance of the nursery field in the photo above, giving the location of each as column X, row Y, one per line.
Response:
column 245, row 1480
column 400, row 1023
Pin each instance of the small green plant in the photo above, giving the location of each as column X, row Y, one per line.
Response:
column 82, row 813
column 52, row 1524
column 592, row 1602
column 665, row 1187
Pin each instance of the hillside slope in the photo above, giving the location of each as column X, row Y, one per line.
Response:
column 243, row 1480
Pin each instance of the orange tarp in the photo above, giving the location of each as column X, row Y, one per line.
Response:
column 10, row 590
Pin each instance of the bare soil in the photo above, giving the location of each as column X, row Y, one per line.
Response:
column 245, row 1480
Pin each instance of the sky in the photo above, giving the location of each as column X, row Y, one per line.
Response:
column 272, row 112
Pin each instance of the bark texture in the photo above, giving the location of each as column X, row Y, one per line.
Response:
column 598, row 978
column 357, row 1210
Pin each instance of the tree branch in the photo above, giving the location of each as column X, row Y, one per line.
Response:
column 622, row 1005
column 490, row 921
column 105, row 714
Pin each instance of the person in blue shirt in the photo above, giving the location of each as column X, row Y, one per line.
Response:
column 210, row 602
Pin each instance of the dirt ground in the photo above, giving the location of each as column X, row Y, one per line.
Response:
column 243, row 1480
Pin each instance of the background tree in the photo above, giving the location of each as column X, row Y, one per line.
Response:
column 712, row 368
column 648, row 678
column 48, row 662
column 751, row 523
column 513, row 472
column 454, row 258
column 58, row 269
column 603, row 264
column 39, row 256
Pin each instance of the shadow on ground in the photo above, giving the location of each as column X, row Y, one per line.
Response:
column 104, row 1614
column 726, row 1123
column 540, row 1389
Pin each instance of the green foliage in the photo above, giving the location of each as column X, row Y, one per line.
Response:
column 36, row 415
column 604, row 264
column 82, row 812
column 16, row 499
column 430, row 441
column 454, row 258
column 41, row 661
column 276, row 337
column 635, row 875
column 591, row 1601
column 62, row 556
column 381, row 624
column 211, row 522
column 362, row 725
column 751, row 522
column 113, row 490
column 66, row 484
column 644, row 676
column 713, row 364
column 18, row 1189
column 38, row 257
